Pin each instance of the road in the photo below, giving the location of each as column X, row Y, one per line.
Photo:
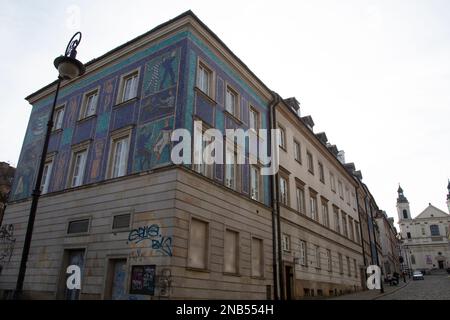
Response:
column 434, row 287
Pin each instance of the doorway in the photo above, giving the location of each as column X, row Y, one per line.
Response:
column 441, row 264
column 115, row 288
column 289, row 275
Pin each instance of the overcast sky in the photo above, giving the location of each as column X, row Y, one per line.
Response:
column 374, row 75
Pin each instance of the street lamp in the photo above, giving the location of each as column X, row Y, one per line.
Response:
column 68, row 68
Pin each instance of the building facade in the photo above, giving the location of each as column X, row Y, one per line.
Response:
column 390, row 251
column 6, row 180
column 425, row 238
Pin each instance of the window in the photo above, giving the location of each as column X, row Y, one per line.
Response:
column 357, row 232
column 313, row 206
column 283, row 191
column 347, row 194
column 423, row 231
column 204, row 79
column 257, row 258
column 78, row 226
column 301, row 200
column 254, row 119
column 405, row 214
column 282, row 137
column 89, row 105
column 344, row 224
column 354, row 201
column 231, row 252
column 332, row 182
column 297, row 151
column 310, row 162
column 325, row 217
column 58, row 118
column 231, row 173
column 329, row 261
column 337, row 226
column 413, row 259
column 303, row 255
column 205, row 164
column 341, row 264
column 286, row 242
column 119, row 157
column 434, row 229
column 198, row 244
column 355, row 267
column 341, row 190
column 348, row 267
column 254, row 178
column 129, row 87
column 408, row 235
column 231, row 102
column 46, row 176
column 350, row 227
column 321, row 172
column 121, row 221
column 78, row 168
column 318, row 262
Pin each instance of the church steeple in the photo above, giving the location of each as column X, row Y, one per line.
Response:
column 402, row 205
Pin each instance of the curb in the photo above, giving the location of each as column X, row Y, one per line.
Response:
column 395, row 290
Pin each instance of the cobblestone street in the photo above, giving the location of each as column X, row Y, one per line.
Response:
column 435, row 287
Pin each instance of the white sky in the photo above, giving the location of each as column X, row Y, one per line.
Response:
column 374, row 75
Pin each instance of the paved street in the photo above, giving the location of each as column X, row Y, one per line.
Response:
column 434, row 287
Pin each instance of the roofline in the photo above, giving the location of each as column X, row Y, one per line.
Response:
column 187, row 13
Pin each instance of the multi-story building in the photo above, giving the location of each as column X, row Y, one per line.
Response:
column 114, row 203
column 320, row 233
column 389, row 243
column 425, row 238
column 6, row 180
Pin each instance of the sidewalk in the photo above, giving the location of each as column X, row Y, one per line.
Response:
column 373, row 294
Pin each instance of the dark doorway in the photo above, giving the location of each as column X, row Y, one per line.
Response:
column 441, row 264
column 289, row 274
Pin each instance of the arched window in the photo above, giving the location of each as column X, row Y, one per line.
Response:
column 434, row 228
column 405, row 214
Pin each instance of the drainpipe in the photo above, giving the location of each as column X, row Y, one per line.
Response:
column 274, row 204
column 360, row 230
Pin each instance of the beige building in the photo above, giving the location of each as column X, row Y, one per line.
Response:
column 389, row 242
column 320, row 232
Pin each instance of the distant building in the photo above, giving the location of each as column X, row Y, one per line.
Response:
column 389, row 243
column 425, row 239
column 6, row 180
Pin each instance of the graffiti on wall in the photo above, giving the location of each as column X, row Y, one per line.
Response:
column 152, row 233
column 165, row 282
column 7, row 242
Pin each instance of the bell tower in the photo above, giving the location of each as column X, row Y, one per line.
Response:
column 402, row 206
column 448, row 196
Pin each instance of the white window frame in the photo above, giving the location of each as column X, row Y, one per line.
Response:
column 119, row 135
column 300, row 194
column 123, row 96
column 282, row 137
column 255, row 181
column 332, row 182
column 318, row 257
column 286, row 242
column 89, row 109
column 58, row 117
column 78, row 174
column 297, row 151
column 232, row 97
column 325, row 214
column 47, row 175
column 303, row 257
column 284, row 190
column 202, row 70
column 253, row 121
column 313, row 206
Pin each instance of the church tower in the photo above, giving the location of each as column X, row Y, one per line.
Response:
column 448, row 196
column 402, row 206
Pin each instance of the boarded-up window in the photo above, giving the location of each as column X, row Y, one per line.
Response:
column 78, row 226
column 257, row 257
column 198, row 244
column 121, row 221
column 231, row 251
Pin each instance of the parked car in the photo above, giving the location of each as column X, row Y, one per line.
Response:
column 418, row 275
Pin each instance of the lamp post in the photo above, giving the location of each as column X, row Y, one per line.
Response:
column 68, row 68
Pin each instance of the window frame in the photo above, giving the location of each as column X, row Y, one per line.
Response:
column 261, row 262
column 253, row 110
column 47, row 175
column 236, row 254
column 236, row 107
column 189, row 264
column 297, row 151
column 321, row 171
column 282, row 142
column 59, row 108
column 123, row 133
column 84, row 105
column 300, row 187
column 123, row 80
column 79, row 148
column 201, row 64
column 310, row 161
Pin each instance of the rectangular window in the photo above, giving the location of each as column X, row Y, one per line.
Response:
column 310, row 162
column 282, row 137
column 347, row 194
column 121, row 221
column 286, row 242
column 231, row 252
column 283, row 191
column 313, row 206
column 303, row 255
column 78, row 226
column 337, row 226
column 119, row 159
column 89, row 105
column 46, row 176
column 357, row 232
column 129, row 86
column 318, row 262
column 355, row 267
column 341, row 190
column 198, row 244
column 205, row 165
column 58, row 118
column 204, row 79
column 301, row 200
column 254, row 119
column 254, row 179
column 408, row 235
column 341, row 264
column 231, row 102
column 78, row 168
column 332, row 182
column 329, row 261
column 325, row 217
column 297, row 151
column 344, row 224
column 231, row 173
column 348, row 267
column 321, row 172
column 350, row 228
column 257, row 258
